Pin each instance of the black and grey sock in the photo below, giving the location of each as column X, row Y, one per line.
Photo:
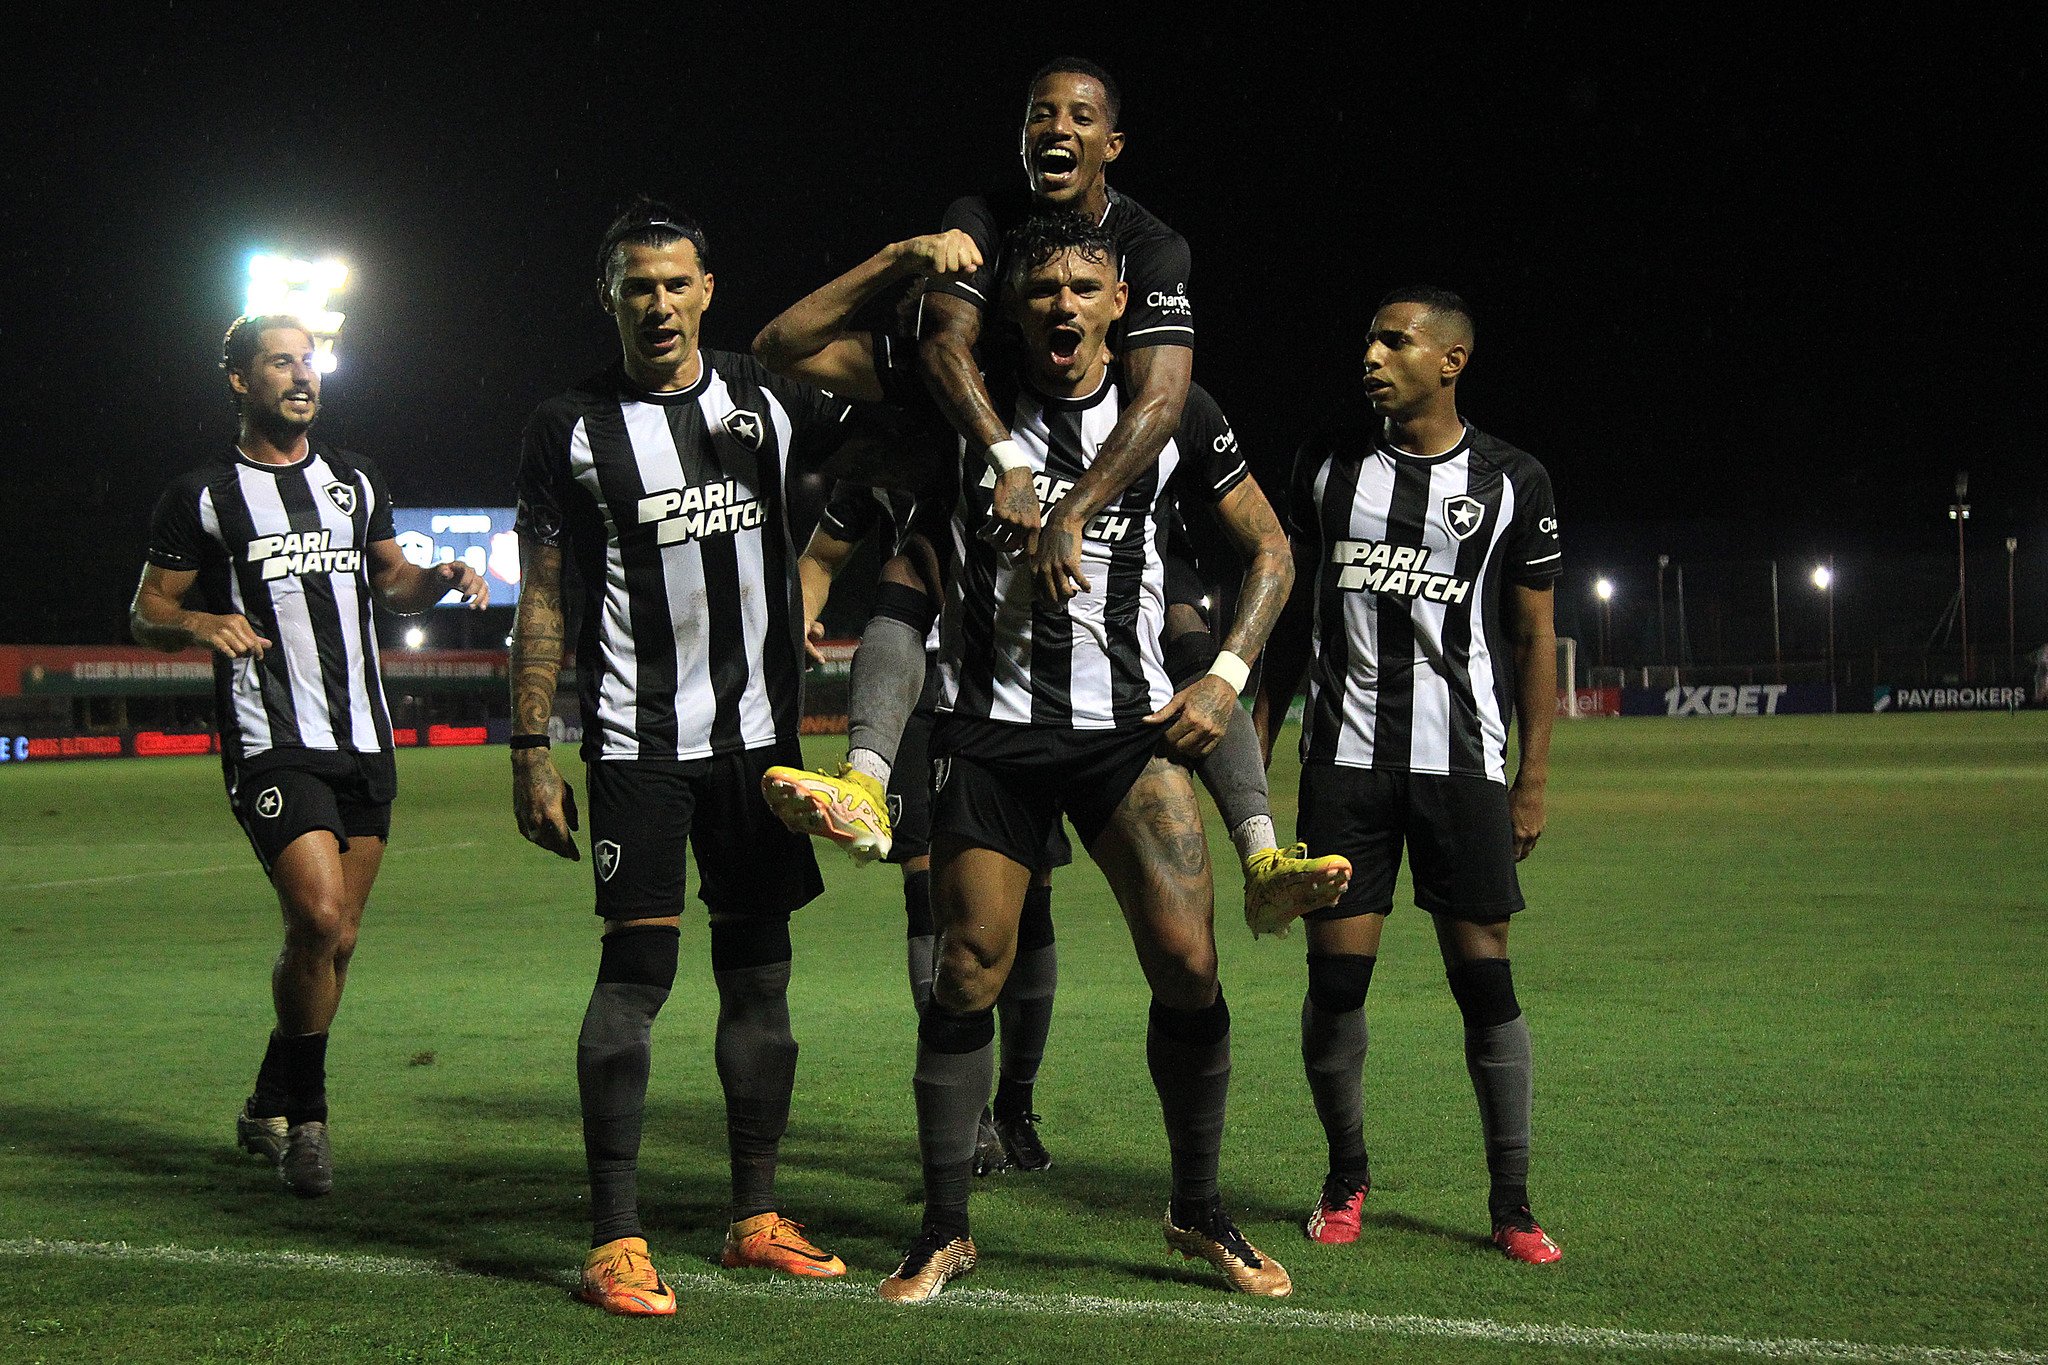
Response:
column 271, row 1090
column 634, row 974
column 755, row 1050
column 1235, row 773
column 920, row 938
column 1188, row 1053
column 1333, row 1045
column 888, row 676
column 1024, row 1009
column 1497, row 1058
column 955, row 1058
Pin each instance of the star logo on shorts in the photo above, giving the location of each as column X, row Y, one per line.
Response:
column 270, row 804
column 942, row 768
column 895, row 804
column 1463, row 515
column 744, row 427
column 343, row 497
column 607, row 859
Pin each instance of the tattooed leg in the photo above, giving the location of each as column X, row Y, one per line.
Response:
column 1157, row 861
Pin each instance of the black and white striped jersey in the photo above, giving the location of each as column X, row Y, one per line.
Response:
column 674, row 509
column 283, row 545
column 1096, row 662
column 1155, row 264
column 1414, row 665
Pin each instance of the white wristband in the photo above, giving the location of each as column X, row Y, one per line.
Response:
column 1232, row 670
column 1005, row 456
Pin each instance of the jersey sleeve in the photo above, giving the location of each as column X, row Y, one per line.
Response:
column 897, row 371
column 381, row 527
column 176, row 539
column 976, row 217
column 544, row 475
column 850, row 513
column 1304, row 527
column 1533, row 554
column 817, row 419
column 1160, row 310
column 1211, row 464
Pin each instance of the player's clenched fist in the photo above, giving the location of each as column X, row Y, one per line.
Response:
column 951, row 254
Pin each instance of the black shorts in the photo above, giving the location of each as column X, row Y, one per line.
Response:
column 1459, row 837
column 642, row 811
column 910, row 799
column 281, row 794
column 1004, row 786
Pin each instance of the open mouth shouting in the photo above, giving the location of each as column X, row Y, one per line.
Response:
column 1064, row 343
column 1056, row 165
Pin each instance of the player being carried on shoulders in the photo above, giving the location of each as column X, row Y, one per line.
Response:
column 1070, row 134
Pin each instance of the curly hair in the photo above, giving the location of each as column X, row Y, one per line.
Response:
column 1043, row 236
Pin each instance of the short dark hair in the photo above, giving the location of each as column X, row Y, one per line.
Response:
column 245, row 338
column 646, row 221
column 1043, row 236
column 1436, row 300
column 1081, row 66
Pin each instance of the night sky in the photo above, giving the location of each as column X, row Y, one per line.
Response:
column 1745, row 288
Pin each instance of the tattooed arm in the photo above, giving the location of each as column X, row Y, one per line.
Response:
column 542, row 803
column 1201, row 711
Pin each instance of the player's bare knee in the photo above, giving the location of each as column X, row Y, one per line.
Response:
column 968, row 978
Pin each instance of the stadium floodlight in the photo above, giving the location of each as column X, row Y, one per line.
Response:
column 1603, row 588
column 414, row 637
column 1823, row 577
column 301, row 289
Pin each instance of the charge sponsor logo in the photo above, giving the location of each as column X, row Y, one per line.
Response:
column 942, row 769
column 1175, row 302
column 302, row 553
column 1949, row 698
column 1226, row 444
column 1110, row 526
column 705, row 509
column 1547, row 525
column 608, row 855
column 1397, row 570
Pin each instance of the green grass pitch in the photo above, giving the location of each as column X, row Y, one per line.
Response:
column 1786, row 981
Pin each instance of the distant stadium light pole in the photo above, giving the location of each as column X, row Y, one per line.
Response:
column 1959, row 512
column 1663, row 653
column 1777, row 647
column 1603, row 589
column 2012, row 661
column 1824, row 579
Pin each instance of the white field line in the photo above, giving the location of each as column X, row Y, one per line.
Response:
column 195, row 871
column 1226, row 1313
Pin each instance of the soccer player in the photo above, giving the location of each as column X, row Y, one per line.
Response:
column 1069, row 136
column 285, row 545
column 664, row 479
column 1051, row 710
column 1426, row 556
column 1008, row 1138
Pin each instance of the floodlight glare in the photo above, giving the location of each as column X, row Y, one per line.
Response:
column 414, row 637
column 300, row 289
column 1822, row 576
column 1603, row 589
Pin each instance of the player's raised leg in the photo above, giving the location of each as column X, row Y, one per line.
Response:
column 1156, row 858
